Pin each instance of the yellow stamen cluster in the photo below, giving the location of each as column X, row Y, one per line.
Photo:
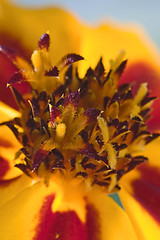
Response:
column 90, row 128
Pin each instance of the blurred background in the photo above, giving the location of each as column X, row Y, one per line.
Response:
column 143, row 12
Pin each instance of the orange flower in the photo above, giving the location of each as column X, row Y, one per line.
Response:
column 79, row 135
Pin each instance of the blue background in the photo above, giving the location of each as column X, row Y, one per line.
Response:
column 143, row 12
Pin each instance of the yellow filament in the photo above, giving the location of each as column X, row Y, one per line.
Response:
column 111, row 155
column 36, row 60
column 61, row 130
column 141, row 93
column 103, row 126
column 113, row 182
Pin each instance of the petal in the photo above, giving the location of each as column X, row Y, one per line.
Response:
column 29, row 213
column 152, row 152
column 115, row 223
column 145, row 226
column 107, row 40
column 140, row 194
column 8, row 144
column 9, row 189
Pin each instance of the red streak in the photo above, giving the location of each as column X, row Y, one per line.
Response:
column 5, row 143
column 66, row 225
column 4, row 167
column 147, row 190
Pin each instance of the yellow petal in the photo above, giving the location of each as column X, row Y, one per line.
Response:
column 28, row 213
column 8, row 144
column 152, row 151
column 108, row 39
column 140, row 194
column 7, row 113
column 115, row 223
column 145, row 226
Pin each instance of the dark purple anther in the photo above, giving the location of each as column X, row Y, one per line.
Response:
column 92, row 114
column 72, row 98
column 121, row 68
column 90, row 152
column 8, row 52
column 54, row 72
column 44, row 41
column 68, row 75
column 54, row 113
column 70, row 58
column 16, row 78
column 35, row 106
column 39, row 157
column 99, row 70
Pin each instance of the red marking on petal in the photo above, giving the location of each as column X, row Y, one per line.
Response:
column 4, row 167
column 6, row 71
column 92, row 223
column 58, row 225
column 66, row 225
column 142, row 72
column 147, row 190
column 5, row 143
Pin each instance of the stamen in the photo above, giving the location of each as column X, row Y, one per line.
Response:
column 86, row 128
column 61, row 130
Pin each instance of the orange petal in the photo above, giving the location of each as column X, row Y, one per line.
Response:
column 107, row 40
column 28, row 212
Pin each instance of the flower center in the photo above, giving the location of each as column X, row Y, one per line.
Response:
column 87, row 129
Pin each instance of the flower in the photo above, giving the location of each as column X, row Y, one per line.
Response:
column 79, row 135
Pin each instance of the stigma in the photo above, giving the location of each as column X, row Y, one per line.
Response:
column 88, row 129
